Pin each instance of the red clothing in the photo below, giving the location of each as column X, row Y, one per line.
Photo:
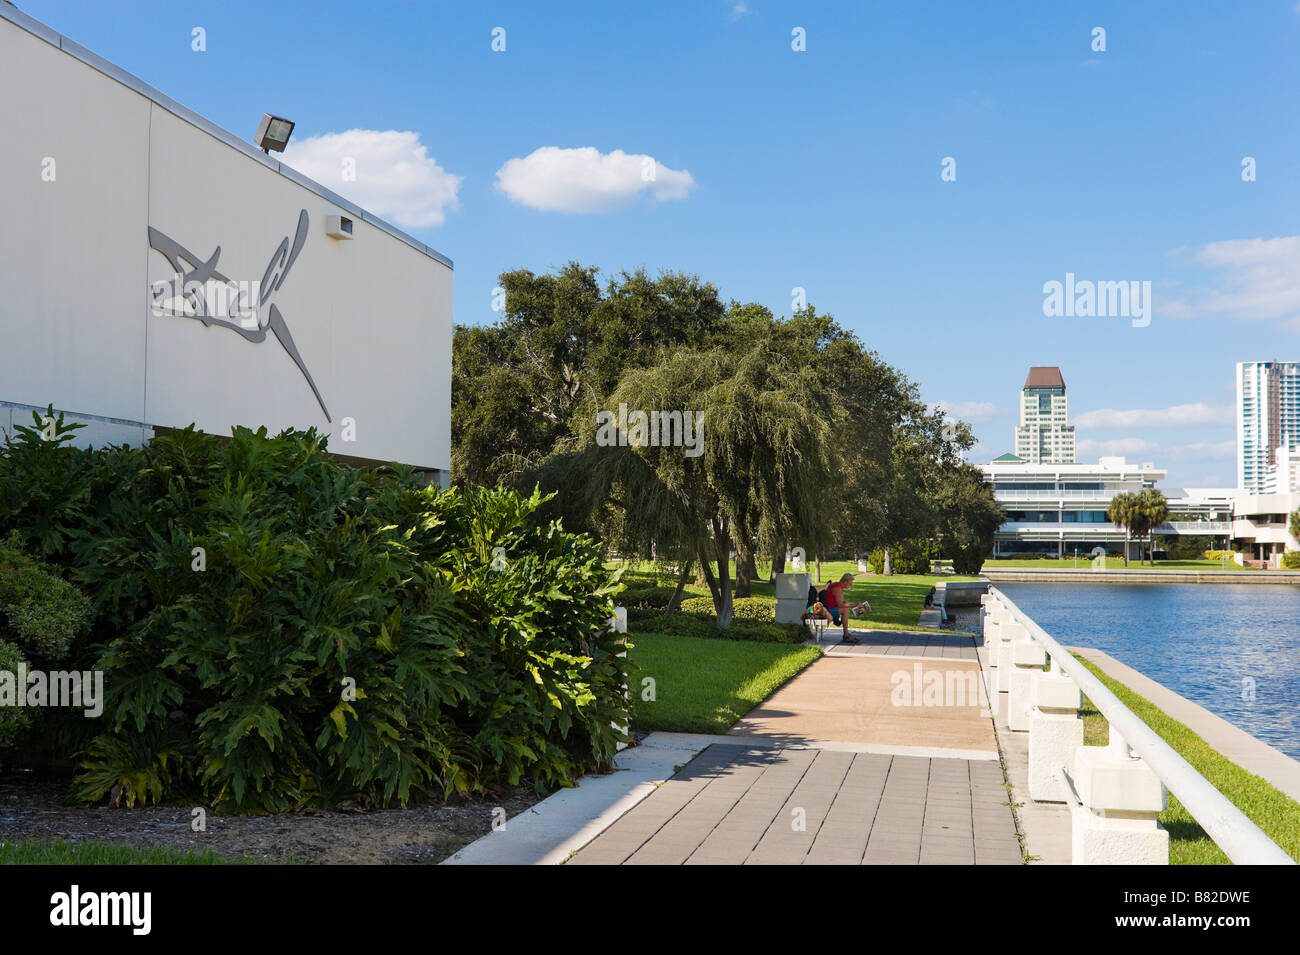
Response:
column 835, row 595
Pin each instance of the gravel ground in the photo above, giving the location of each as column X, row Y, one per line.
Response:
column 31, row 808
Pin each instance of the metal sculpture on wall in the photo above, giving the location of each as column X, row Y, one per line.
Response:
column 202, row 293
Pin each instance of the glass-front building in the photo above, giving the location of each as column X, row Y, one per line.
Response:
column 1059, row 510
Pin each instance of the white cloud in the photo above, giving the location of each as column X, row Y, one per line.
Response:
column 586, row 180
column 395, row 178
column 1260, row 280
column 1199, row 413
column 739, row 10
column 968, row 410
column 1089, row 449
column 1160, row 454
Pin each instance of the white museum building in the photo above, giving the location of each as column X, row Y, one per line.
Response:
column 159, row 271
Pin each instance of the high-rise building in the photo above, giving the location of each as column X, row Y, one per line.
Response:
column 1268, row 419
column 1045, row 435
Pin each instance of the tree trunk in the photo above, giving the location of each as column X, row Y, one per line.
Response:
column 778, row 563
column 676, row 598
column 722, row 542
column 1126, row 548
column 817, row 570
column 744, row 567
column 706, row 571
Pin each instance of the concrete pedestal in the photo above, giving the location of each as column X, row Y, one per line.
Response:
column 1121, row 798
column 1027, row 658
column 1055, row 733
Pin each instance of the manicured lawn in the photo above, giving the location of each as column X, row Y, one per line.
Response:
column 896, row 601
column 1273, row 811
column 60, row 852
column 704, row 685
column 1115, row 563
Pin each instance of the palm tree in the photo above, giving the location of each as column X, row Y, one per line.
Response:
column 1153, row 509
column 1122, row 512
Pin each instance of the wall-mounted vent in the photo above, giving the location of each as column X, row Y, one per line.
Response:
column 340, row 227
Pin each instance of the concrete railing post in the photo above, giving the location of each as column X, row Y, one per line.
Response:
column 1027, row 658
column 1121, row 796
column 992, row 620
column 1009, row 631
column 1055, row 732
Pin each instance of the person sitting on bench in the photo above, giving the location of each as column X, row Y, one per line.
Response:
column 839, row 607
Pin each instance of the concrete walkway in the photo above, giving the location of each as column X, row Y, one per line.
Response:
column 854, row 761
column 848, row 763
column 737, row 804
column 852, row 695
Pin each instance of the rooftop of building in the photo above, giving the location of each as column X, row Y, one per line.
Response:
column 96, row 62
column 1110, row 465
column 1045, row 376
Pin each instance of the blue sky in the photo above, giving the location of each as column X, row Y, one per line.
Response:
column 820, row 169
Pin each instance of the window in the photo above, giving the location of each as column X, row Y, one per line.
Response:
column 1084, row 517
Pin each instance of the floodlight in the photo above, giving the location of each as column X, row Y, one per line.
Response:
column 273, row 132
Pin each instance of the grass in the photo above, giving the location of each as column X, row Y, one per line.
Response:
column 60, row 852
column 1273, row 811
column 705, row 685
column 1112, row 563
column 896, row 601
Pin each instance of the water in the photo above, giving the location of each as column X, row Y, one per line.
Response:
column 1206, row 642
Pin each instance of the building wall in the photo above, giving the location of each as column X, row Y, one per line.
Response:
column 1045, row 435
column 1268, row 418
column 371, row 317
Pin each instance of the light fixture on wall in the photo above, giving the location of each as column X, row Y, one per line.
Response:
column 273, row 132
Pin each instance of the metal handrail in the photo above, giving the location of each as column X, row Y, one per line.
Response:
column 1230, row 828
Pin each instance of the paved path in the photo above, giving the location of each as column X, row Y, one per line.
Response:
column 902, row 643
column 837, row 767
column 735, row 804
column 882, row 692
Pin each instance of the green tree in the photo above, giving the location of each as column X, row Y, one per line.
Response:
column 1122, row 512
column 1150, row 510
column 968, row 516
column 562, row 340
column 765, row 450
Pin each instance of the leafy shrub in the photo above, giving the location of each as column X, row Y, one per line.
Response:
column 1220, row 555
column 967, row 559
column 39, row 611
column 645, row 598
column 281, row 630
column 701, row 625
column 911, row 557
column 762, row 609
column 1291, row 560
column 13, row 719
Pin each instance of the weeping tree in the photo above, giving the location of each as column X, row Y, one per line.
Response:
column 876, row 409
column 702, row 451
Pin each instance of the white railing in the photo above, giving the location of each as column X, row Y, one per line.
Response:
column 1099, row 496
column 1115, row 792
column 1197, row 527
